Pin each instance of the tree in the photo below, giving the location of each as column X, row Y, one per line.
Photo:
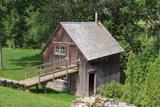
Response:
column 134, row 79
column 2, row 13
column 152, row 86
column 11, row 28
column 37, row 28
column 1, row 57
column 138, row 66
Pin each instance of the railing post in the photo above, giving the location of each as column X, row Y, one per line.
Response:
column 25, row 73
column 53, row 70
column 66, row 68
column 39, row 74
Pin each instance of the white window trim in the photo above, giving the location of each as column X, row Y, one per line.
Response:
column 60, row 50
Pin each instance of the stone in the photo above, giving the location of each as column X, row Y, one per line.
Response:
column 98, row 101
column 58, row 85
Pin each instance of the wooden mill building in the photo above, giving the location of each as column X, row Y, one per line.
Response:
column 91, row 46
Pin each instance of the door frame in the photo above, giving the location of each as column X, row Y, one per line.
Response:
column 95, row 75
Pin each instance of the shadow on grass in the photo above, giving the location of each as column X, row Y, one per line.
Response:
column 12, row 68
column 48, row 91
column 27, row 61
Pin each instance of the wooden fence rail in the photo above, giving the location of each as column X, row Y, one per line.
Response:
column 49, row 68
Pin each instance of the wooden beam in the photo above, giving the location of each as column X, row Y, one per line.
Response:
column 63, row 43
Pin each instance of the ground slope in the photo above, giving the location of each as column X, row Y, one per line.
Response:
column 16, row 98
column 15, row 60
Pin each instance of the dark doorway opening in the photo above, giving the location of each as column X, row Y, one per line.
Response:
column 91, row 84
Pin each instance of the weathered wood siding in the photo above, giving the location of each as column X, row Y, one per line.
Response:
column 61, row 36
column 49, row 56
column 72, row 80
column 82, row 84
column 107, row 70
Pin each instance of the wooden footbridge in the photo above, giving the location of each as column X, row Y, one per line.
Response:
column 41, row 74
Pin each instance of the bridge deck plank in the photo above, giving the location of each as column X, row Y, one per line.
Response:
column 35, row 80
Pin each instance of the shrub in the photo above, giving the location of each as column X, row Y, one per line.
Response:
column 112, row 90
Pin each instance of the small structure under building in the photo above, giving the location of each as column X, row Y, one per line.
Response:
column 93, row 47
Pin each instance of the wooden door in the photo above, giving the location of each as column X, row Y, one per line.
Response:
column 73, row 54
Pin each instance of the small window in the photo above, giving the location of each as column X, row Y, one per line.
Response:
column 60, row 50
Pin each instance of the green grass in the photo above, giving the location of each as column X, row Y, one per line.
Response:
column 16, row 98
column 15, row 60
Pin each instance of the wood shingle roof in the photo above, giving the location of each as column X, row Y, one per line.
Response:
column 92, row 38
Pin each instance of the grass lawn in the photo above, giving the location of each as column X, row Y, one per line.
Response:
column 16, row 98
column 14, row 63
column 16, row 60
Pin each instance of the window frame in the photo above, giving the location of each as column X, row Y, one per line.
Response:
column 60, row 50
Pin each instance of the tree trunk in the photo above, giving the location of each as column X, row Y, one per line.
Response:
column 1, row 57
column 1, row 36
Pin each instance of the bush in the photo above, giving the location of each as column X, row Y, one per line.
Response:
column 112, row 90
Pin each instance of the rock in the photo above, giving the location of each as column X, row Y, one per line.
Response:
column 58, row 85
column 120, row 104
column 98, row 101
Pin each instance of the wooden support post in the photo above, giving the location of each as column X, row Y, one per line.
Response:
column 53, row 74
column 25, row 73
column 39, row 74
column 37, row 88
column 44, row 87
column 54, row 68
column 69, row 83
column 67, row 68
column 67, row 61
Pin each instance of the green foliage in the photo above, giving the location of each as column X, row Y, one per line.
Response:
column 134, row 79
column 112, row 90
column 37, row 28
column 32, row 22
column 152, row 86
column 138, row 66
column 10, row 44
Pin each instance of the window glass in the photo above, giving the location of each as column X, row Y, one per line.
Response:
column 60, row 50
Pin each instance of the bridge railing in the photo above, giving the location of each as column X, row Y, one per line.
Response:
column 49, row 68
